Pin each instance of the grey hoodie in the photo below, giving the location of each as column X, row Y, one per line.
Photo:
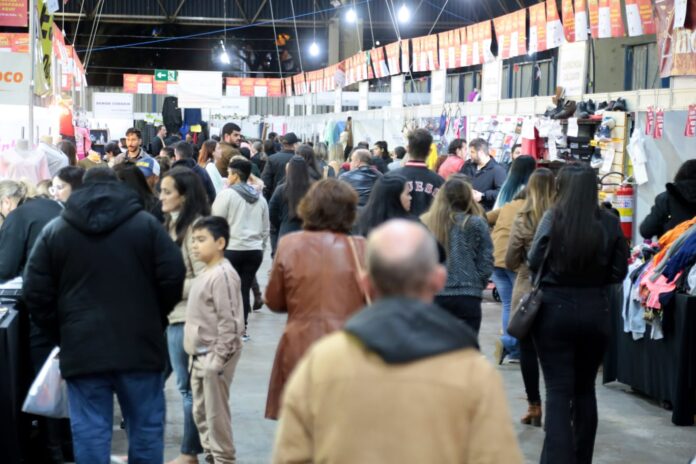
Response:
column 247, row 192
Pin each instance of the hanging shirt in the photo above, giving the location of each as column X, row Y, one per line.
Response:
column 31, row 166
column 83, row 144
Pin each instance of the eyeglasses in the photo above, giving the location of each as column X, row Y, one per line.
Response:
column 53, row 190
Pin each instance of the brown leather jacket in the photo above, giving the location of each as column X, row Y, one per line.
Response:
column 314, row 279
column 521, row 238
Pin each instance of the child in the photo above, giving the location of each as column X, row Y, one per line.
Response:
column 212, row 336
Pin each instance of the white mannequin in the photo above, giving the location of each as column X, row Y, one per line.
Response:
column 22, row 147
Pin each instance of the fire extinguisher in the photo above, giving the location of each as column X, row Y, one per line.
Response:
column 623, row 202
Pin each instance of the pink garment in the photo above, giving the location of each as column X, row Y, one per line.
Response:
column 32, row 166
column 82, row 142
column 452, row 165
column 650, row 291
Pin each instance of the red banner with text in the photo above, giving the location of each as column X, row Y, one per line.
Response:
column 13, row 13
column 639, row 17
column 510, row 31
column 568, row 20
column 537, row 28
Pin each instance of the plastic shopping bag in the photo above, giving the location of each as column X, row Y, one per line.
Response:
column 48, row 395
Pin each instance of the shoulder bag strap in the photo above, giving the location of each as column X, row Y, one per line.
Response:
column 358, row 268
column 542, row 267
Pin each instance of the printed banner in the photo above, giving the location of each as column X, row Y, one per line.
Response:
column 659, row 123
column 405, row 55
column 137, row 83
column 480, row 37
column 674, row 45
column 639, row 17
column 16, row 70
column 379, row 62
column 690, row 130
column 42, row 84
column 650, row 121
column 593, row 9
column 510, row 31
column 554, row 27
column 464, row 54
column 449, row 44
column 537, row 28
column 419, row 59
column 14, row 42
column 288, row 86
column 581, row 25
column 393, row 52
column 568, row 20
column 610, row 19
column 298, row 84
column 13, row 13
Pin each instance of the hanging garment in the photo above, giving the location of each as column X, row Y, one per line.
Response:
column 83, row 143
column 670, row 237
column 685, row 257
column 31, row 166
column 171, row 114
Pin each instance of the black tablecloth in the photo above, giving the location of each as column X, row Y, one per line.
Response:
column 662, row 369
column 10, row 387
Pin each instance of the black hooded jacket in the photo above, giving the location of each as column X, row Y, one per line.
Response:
column 402, row 330
column 672, row 207
column 102, row 277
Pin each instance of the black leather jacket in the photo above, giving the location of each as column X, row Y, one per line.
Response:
column 362, row 180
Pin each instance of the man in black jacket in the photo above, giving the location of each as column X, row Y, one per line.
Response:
column 424, row 183
column 673, row 206
column 103, row 277
column 274, row 172
column 362, row 177
column 157, row 142
column 183, row 153
column 487, row 176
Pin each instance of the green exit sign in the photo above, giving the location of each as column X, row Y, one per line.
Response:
column 165, row 75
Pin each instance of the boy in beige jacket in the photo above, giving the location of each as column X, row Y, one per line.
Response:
column 212, row 337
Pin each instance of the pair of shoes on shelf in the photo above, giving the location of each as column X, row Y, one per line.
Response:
column 566, row 111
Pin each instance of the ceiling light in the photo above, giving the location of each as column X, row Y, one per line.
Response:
column 224, row 57
column 404, row 14
column 351, row 15
column 314, row 49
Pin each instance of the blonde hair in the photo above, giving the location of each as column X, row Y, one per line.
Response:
column 18, row 190
column 455, row 196
column 336, row 153
column 541, row 193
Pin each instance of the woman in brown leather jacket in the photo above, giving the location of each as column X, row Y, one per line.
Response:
column 540, row 194
column 315, row 278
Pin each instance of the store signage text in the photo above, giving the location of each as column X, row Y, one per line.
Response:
column 11, row 76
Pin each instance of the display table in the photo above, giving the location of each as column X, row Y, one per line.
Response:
column 663, row 369
column 10, row 387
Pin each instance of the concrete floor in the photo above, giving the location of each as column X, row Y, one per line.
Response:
column 632, row 429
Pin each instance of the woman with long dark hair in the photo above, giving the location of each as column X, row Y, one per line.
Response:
column 509, row 202
column 307, row 152
column 282, row 208
column 184, row 200
column 456, row 220
column 390, row 199
column 541, row 191
column 130, row 174
column 580, row 250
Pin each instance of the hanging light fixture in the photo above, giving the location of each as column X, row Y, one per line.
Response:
column 224, row 57
column 404, row 14
column 351, row 15
column 314, row 48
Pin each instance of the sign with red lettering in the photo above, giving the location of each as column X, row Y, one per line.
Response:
column 690, row 130
column 379, row 62
column 449, row 49
column 581, row 25
column 650, row 121
column 593, row 8
column 659, row 123
column 639, row 17
column 568, row 20
column 136, row 83
column 537, row 28
column 393, row 52
column 510, row 31
column 13, row 13
column 554, row 27
column 14, row 42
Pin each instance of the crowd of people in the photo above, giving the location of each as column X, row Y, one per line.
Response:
column 140, row 265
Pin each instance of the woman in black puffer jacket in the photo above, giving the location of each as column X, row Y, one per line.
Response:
column 673, row 206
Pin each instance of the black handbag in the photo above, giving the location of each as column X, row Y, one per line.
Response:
column 521, row 322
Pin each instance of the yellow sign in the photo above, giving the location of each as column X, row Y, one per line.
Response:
column 45, row 35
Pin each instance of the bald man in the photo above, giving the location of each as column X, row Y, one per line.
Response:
column 404, row 381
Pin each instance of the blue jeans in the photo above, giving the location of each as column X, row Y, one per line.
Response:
column 504, row 281
column 91, row 403
column 191, row 442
